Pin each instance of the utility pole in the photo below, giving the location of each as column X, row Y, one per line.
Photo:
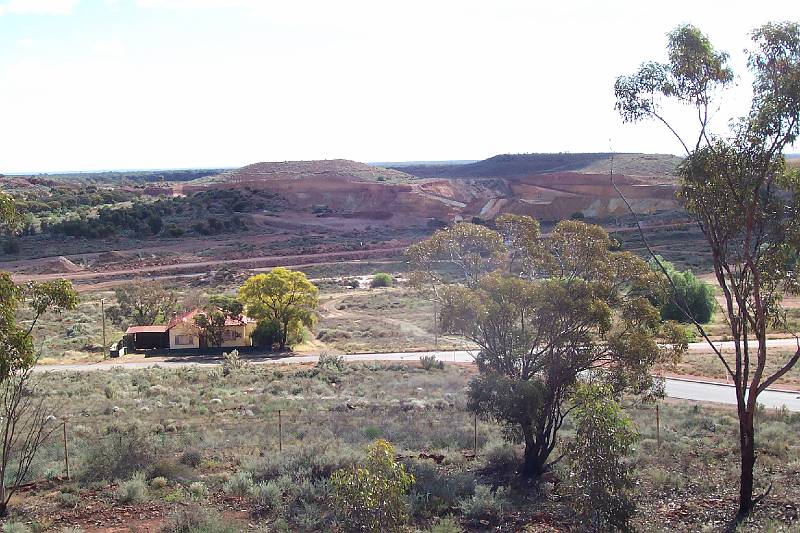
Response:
column 103, row 312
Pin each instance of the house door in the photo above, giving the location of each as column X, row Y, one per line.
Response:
column 203, row 341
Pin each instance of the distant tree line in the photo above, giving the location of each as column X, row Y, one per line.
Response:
column 207, row 212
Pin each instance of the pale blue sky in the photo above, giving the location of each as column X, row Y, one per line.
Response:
column 102, row 84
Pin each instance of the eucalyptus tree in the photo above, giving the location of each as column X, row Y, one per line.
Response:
column 544, row 312
column 23, row 420
column 736, row 186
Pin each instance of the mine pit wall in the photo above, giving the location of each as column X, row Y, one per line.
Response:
column 548, row 197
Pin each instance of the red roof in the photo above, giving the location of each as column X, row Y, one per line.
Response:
column 147, row 329
column 187, row 318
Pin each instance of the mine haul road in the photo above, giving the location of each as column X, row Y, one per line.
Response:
column 696, row 390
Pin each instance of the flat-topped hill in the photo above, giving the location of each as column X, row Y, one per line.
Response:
column 523, row 165
column 293, row 170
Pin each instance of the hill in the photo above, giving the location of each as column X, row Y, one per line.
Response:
column 522, row 165
column 325, row 168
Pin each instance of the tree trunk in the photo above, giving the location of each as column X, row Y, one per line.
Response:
column 748, row 460
column 535, row 458
column 284, row 335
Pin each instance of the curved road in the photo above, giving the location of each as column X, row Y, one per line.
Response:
column 675, row 388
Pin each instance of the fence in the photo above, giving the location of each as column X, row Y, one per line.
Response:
column 236, row 434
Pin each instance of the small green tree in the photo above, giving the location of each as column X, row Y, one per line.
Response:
column 687, row 295
column 544, row 312
column 372, row 497
column 24, row 426
column 211, row 323
column 142, row 304
column 598, row 475
column 282, row 296
column 381, row 279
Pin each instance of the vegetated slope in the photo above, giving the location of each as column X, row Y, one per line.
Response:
column 521, row 165
column 330, row 168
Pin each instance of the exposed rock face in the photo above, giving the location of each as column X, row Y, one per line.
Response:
column 340, row 188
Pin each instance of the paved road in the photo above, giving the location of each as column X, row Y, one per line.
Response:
column 675, row 388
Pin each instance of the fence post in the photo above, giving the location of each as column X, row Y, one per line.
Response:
column 66, row 452
column 658, row 426
column 280, row 432
column 475, row 435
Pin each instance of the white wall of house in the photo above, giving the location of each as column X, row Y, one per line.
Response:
column 238, row 336
column 182, row 336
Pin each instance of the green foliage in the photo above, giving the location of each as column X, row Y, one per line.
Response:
column 16, row 343
column 689, row 294
column 191, row 458
column 447, row 524
column 232, row 362
column 737, row 188
column 134, row 490
column 372, row 498
column 430, row 362
column 211, row 324
column 197, row 519
column 381, row 279
column 198, row 490
column 554, row 309
column 15, row 527
column 239, row 484
column 117, row 455
column 283, row 297
column 437, row 490
column 142, row 304
column 485, row 504
column 331, row 362
column 227, row 304
column 598, row 477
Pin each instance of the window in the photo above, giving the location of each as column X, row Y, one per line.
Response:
column 230, row 334
column 184, row 340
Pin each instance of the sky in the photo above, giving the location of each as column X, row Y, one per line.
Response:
column 138, row 84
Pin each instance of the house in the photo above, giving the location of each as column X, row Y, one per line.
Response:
column 181, row 333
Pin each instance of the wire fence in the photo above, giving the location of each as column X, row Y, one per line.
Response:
column 237, row 433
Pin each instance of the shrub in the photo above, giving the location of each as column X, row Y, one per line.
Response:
column 196, row 519
column 15, row 527
column 68, row 500
column 239, row 484
column 71, row 529
column 198, row 490
column 269, row 498
column 159, row 483
column 435, row 491
column 429, row 362
column 501, row 456
column 117, row 455
column 315, row 461
column 331, row 362
column 484, row 505
column 447, row 524
column 373, row 497
column 171, row 470
column 191, row 458
column 599, row 479
column 232, row 362
column 381, row 279
column 133, row 490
